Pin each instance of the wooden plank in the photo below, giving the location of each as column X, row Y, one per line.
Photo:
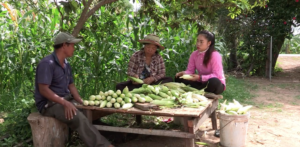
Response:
column 199, row 120
column 89, row 115
column 214, row 120
column 182, row 112
column 168, row 133
column 189, row 142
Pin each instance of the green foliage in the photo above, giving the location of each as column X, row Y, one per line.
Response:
column 110, row 36
column 16, row 124
column 275, row 19
column 237, row 89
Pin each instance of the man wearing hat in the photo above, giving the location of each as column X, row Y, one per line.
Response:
column 55, row 91
column 146, row 65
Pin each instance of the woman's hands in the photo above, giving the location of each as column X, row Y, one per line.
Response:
column 195, row 77
column 148, row 80
column 179, row 74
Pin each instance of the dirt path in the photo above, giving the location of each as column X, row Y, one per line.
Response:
column 275, row 118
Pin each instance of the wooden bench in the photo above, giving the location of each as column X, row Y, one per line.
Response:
column 47, row 131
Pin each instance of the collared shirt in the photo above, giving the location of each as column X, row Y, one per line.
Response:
column 214, row 67
column 50, row 72
column 137, row 62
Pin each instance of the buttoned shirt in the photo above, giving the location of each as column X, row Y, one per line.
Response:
column 214, row 68
column 137, row 62
column 50, row 72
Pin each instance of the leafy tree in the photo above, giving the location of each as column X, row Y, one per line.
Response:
column 275, row 19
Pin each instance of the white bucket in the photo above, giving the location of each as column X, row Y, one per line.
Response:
column 233, row 129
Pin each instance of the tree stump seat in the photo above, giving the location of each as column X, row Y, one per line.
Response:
column 47, row 131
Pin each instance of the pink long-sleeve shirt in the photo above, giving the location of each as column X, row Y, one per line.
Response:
column 214, row 67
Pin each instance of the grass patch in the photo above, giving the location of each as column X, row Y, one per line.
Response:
column 270, row 105
column 238, row 89
column 297, row 97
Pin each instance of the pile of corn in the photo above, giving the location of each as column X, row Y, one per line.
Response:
column 164, row 95
column 234, row 108
column 111, row 99
column 171, row 94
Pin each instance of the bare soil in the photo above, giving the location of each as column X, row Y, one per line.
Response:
column 274, row 120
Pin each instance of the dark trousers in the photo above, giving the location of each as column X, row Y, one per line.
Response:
column 122, row 85
column 213, row 85
column 87, row 132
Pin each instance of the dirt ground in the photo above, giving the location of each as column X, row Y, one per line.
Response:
column 274, row 120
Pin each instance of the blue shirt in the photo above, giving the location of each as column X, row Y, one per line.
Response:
column 51, row 73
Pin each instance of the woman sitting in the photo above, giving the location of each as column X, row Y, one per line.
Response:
column 146, row 65
column 208, row 63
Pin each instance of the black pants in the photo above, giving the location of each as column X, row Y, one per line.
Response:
column 121, row 86
column 213, row 85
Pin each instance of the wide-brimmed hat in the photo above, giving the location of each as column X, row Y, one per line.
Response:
column 153, row 39
column 63, row 37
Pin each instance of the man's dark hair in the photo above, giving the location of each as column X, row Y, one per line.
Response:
column 57, row 46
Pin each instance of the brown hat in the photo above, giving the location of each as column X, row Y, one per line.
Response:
column 153, row 39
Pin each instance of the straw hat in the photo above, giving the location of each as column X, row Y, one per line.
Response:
column 153, row 39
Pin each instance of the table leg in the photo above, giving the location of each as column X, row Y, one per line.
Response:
column 138, row 119
column 214, row 120
column 89, row 115
column 189, row 142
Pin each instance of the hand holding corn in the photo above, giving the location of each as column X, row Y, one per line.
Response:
column 193, row 77
column 179, row 74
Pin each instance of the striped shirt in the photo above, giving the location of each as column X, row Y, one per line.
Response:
column 137, row 62
column 214, row 67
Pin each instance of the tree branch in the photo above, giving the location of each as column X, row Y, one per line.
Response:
column 96, row 7
column 62, row 16
column 86, row 14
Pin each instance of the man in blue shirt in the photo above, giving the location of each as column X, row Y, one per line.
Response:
column 55, row 89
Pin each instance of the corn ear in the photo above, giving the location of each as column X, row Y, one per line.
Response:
column 136, row 80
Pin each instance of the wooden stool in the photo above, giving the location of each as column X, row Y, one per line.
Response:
column 47, row 131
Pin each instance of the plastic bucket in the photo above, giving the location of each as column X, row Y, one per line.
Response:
column 233, row 129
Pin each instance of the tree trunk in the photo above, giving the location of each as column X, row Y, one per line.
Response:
column 47, row 131
column 86, row 13
column 233, row 49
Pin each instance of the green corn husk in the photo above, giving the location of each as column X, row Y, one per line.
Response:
column 136, row 80
column 172, row 85
column 188, row 89
column 155, row 97
column 162, row 94
column 166, row 102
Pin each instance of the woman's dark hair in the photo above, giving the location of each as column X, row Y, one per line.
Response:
column 157, row 51
column 210, row 37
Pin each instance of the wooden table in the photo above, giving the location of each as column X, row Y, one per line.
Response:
column 192, row 118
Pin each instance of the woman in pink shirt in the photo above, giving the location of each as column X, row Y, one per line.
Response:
column 208, row 63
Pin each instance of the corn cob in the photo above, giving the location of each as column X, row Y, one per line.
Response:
column 164, row 89
column 148, row 99
column 188, row 88
column 125, row 90
column 156, row 97
column 127, row 106
column 162, row 94
column 172, row 85
column 127, row 100
column 136, row 80
column 186, row 77
column 103, row 104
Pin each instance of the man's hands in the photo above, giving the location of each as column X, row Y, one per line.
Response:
column 70, row 110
